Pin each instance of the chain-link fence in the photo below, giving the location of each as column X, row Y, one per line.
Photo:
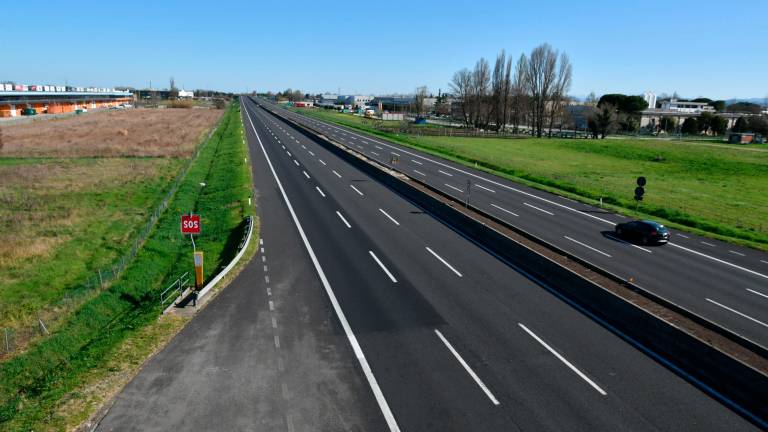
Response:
column 48, row 318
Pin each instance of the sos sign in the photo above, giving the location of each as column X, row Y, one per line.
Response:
column 190, row 224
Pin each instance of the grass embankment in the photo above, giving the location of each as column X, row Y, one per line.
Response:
column 715, row 190
column 33, row 384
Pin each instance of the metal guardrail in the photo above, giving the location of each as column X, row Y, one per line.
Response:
column 175, row 288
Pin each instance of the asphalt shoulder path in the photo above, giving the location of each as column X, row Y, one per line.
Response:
column 266, row 354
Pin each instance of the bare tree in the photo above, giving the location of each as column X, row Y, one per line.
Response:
column 518, row 92
column 461, row 87
column 481, row 78
column 560, row 92
column 541, row 78
column 418, row 100
column 497, row 91
column 174, row 92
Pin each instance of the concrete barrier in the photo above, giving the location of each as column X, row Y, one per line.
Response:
column 737, row 385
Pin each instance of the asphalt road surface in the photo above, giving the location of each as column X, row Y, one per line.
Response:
column 363, row 313
column 722, row 282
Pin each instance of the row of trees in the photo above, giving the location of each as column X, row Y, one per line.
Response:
column 531, row 92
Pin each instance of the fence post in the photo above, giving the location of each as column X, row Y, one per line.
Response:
column 101, row 281
column 7, row 342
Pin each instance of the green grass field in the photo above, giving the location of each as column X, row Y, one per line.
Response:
column 33, row 383
column 715, row 189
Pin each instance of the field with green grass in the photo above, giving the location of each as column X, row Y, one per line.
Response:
column 718, row 189
column 33, row 383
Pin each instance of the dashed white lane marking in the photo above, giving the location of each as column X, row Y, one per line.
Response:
column 383, row 267
column 764, row 261
column 446, row 173
column 269, row 291
column 266, row 278
column 320, row 191
column 444, row 262
column 483, row 187
column 261, row 242
column 296, row 162
column 271, row 305
column 708, row 244
column 283, row 147
column 504, row 210
column 390, row 217
column 736, row 253
column 737, row 312
column 337, row 174
column 564, row 360
column 453, row 187
column 303, row 146
column 416, row 162
column 466, row 367
column 360, row 147
column 757, row 292
column 626, row 242
column 277, row 341
column 719, row 260
column 379, row 147
column 374, row 153
column 289, row 153
column 311, row 152
column 539, row 209
column 343, row 220
column 263, row 258
column 266, row 269
column 587, row 246
column 419, row 172
column 354, row 138
column 305, row 174
column 285, row 391
column 321, row 161
column 356, row 189
column 274, row 322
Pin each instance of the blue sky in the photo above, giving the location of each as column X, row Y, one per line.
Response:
column 697, row 48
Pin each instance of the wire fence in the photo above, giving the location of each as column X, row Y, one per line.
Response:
column 18, row 337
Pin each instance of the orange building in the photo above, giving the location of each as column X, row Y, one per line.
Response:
column 17, row 103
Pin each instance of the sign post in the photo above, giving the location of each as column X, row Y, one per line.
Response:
column 190, row 224
column 639, row 191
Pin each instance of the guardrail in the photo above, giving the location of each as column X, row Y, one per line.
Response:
column 175, row 288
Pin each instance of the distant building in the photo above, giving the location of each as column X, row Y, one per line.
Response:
column 184, row 94
column 650, row 98
column 354, row 101
column 685, row 106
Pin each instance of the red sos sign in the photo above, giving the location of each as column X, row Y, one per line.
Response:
column 190, row 224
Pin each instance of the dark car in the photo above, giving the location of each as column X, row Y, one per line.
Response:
column 645, row 232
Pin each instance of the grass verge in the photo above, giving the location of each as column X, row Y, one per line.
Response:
column 710, row 190
column 33, row 384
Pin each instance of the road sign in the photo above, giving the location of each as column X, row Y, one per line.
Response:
column 190, row 224
column 641, row 181
column 639, row 192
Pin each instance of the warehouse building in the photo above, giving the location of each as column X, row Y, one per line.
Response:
column 18, row 99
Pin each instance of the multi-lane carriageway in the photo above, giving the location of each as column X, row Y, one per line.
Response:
column 449, row 337
column 721, row 282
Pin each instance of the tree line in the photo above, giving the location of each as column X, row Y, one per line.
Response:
column 531, row 91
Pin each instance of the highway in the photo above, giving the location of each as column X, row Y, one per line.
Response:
column 721, row 282
column 446, row 336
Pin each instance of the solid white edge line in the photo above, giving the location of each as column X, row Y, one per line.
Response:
column 390, row 217
column 737, row 312
column 444, row 261
column 372, row 383
column 383, row 267
column 587, row 246
column 319, row 190
column 503, row 209
column 757, row 292
column 539, row 209
column 719, row 260
column 356, row 189
column 564, row 360
column 466, row 367
column 343, row 220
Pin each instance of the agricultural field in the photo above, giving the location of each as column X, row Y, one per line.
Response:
column 74, row 193
column 712, row 188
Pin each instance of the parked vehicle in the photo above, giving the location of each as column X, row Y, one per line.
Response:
column 645, row 232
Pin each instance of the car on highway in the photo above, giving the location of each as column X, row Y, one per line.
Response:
column 643, row 231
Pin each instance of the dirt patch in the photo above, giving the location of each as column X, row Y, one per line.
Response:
column 135, row 132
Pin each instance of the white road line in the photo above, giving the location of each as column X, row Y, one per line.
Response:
column 321, row 161
column 282, row 146
column 373, row 152
column 321, row 192
column 310, row 152
column 419, row 172
column 416, row 162
column 396, row 154
column 443, row 172
column 737, row 312
column 277, row 341
column 356, row 189
column 379, row 147
column 390, row 217
column 758, row 293
column 289, row 153
column 343, row 220
column 453, row 187
column 539, row 209
column 708, row 244
column 271, row 305
column 764, row 261
column 720, row 261
column 274, row 322
column 364, row 365
column 587, row 246
column 303, row 146
column 503, row 209
column 305, row 174
column 563, row 359
column 483, row 187
column 736, row 253
column 386, row 270
column 466, row 367
column 337, row 174
column 626, row 242
column 360, row 147
column 444, row 262
column 296, row 162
